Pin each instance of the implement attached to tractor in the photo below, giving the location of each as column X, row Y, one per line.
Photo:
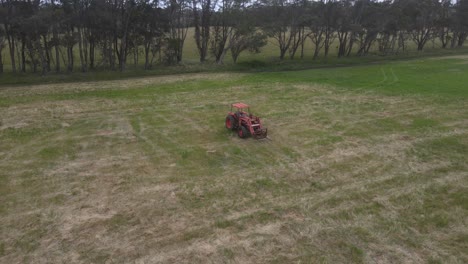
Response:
column 244, row 122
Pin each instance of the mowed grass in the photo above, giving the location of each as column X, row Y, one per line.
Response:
column 365, row 164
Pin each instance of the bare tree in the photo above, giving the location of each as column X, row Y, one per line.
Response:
column 331, row 17
column 422, row 16
column 202, row 12
column 317, row 25
column 297, row 29
column 278, row 24
column 246, row 39
column 9, row 19
column 460, row 23
column 178, row 24
column 2, row 45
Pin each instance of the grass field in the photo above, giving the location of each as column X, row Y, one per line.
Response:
column 365, row 164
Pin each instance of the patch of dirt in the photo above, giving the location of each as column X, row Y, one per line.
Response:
column 15, row 125
column 160, row 188
column 60, row 112
column 461, row 57
column 268, row 229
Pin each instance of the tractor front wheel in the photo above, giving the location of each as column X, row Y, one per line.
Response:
column 230, row 122
column 243, row 132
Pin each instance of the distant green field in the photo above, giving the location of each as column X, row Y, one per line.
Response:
column 365, row 164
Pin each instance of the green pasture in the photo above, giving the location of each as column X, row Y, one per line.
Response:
column 365, row 164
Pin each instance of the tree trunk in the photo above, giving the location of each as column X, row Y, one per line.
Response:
column 351, row 44
column 326, row 50
column 421, row 38
column 105, row 57
column 57, row 53
column 297, row 39
column 318, row 41
column 32, row 57
column 369, row 45
column 118, row 51
column 181, row 34
column 18, row 54
column 302, row 47
column 205, row 32
column 223, row 54
column 64, row 61
column 123, row 44
column 316, row 53
column 401, row 41
column 179, row 51
column 284, row 42
column 1, row 62
column 328, row 41
column 70, row 58
column 80, row 50
column 343, row 39
column 11, row 46
column 461, row 39
column 57, row 58
column 453, row 41
column 393, row 42
column 42, row 54
column 110, row 53
column 235, row 55
column 147, row 50
column 444, row 38
column 91, row 54
column 135, row 55
column 363, row 45
column 23, row 55
column 202, row 28
column 420, row 45
column 85, row 48
column 47, row 52
column 282, row 53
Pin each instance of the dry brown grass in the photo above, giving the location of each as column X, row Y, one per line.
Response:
column 153, row 177
column 462, row 58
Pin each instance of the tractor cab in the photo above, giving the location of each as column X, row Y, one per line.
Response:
column 241, row 110
column 246, row 124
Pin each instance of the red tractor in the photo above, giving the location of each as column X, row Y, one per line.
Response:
column 244, row 122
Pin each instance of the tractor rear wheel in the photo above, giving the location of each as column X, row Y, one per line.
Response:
column 230, row 122
column 243, row 132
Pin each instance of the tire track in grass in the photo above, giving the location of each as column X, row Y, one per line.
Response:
column 364, row 89
column 163, row 143
column 384, row 82
column 140, row 134
column 358, row 186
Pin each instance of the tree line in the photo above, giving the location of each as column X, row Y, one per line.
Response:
column 44, row 36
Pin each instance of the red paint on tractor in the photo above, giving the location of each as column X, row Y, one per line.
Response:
column 245, row 122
